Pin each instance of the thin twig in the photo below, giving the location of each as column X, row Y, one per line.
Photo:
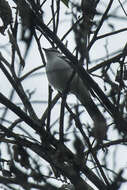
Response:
column 111, row 33
column 100, row 24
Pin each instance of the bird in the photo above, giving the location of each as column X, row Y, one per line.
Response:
column 62, row 76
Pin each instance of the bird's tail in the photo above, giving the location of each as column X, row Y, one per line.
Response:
column 100, row 127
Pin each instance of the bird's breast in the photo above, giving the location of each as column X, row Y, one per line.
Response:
column 58, row 74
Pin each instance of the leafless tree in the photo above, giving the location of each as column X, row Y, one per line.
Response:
column 35, row 152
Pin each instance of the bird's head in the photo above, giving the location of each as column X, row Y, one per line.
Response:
column 51, row 52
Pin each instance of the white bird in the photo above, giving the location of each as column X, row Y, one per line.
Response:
column 59, row 74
